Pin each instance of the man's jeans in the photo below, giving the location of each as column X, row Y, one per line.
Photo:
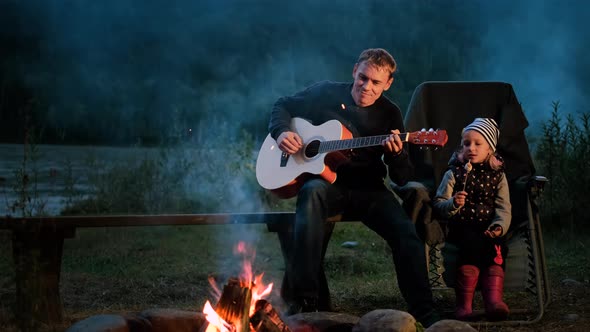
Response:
column 378, row 210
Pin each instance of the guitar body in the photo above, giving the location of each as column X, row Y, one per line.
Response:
column 285, row 174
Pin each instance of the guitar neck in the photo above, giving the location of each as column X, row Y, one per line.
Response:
column 354, row 143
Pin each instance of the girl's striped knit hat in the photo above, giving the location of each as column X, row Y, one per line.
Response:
column 488, row 128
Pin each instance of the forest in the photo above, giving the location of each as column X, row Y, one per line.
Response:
column 154, row 73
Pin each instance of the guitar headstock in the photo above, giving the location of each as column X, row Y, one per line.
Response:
column 430, row 138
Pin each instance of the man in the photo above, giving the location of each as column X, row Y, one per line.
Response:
column 359, row 188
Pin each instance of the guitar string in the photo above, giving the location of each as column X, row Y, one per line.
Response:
column 335, row 145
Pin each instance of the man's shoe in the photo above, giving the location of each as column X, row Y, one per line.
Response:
column 429, row 318
column 302, row 305
column 294, row 309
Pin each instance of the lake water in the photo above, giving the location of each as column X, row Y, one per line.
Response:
column 54, row 172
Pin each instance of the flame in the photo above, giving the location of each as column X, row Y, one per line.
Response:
column 246, row 279
column 215, row 291
column 248, row 254
column 216, row 323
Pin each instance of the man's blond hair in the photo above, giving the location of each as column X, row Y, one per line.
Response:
column 380, row 58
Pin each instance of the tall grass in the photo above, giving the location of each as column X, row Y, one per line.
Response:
column 563, row 155
column 26, row 177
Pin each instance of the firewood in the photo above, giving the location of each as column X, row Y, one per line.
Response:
column 234, row 305
column 266, row 319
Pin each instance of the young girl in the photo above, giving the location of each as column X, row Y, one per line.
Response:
column 474, row 197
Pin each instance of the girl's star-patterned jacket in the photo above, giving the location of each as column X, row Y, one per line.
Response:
column 488, row 199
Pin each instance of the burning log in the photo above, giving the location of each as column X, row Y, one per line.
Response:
column 266, row 319
column 234, row 307
column 240, row 307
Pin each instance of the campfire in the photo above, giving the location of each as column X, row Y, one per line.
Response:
column 241, row 306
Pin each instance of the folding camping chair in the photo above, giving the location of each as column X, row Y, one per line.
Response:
column 451, row 106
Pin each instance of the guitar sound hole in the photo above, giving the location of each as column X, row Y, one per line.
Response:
column 312, row 149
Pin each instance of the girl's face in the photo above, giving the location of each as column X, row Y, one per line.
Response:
column 475, row 147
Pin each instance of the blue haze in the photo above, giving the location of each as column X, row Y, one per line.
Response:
column 179, row 62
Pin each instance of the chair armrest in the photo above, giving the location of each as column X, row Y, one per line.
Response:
column 536, row 185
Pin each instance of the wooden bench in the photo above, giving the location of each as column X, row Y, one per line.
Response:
column 37, row 245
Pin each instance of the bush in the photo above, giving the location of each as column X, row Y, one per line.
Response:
column 563, row 156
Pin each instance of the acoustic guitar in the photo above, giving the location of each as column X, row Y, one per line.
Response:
column 322, row 151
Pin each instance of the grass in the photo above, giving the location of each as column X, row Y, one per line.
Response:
column 135, row 268
column 115, row 270
column 170, row 266
column 570, row 260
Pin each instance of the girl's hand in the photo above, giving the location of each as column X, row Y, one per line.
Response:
column 459, row 199
column 494, row 231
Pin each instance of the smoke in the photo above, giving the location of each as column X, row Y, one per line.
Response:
column 541, row 48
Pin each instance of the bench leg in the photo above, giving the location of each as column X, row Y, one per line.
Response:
column 37, row 258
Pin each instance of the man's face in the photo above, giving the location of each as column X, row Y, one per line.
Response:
column 369, row 83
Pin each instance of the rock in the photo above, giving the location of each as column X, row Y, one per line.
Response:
column 100, row 323
column 321, row 322
column 349, row 244
column 571, row 317
column 386, row 320
column 570, row 282
column 450, row 325
column 173, row 320
column 138, row 323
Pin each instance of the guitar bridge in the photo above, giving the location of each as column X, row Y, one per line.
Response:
column 284, row 159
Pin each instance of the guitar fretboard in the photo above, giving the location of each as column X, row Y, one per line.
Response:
column 353, row 143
